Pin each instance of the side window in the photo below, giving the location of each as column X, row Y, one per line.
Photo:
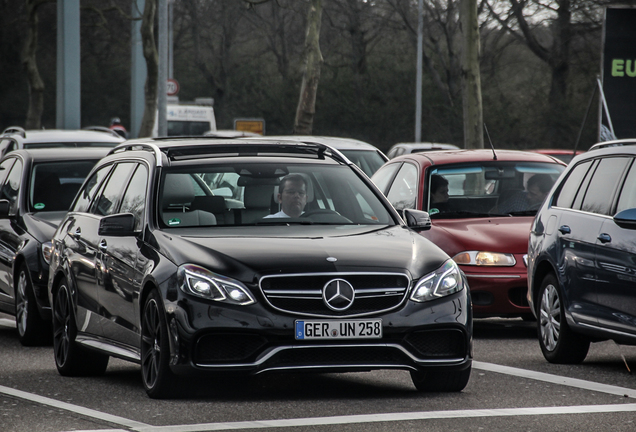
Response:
column 571, row 185
column 134, row 200
column 90, row 189
column 627, row 199
column 604, row 183
column 11, row 187
column 108, row 201
column 403, row 192
column 5, row 168
column 384, row 175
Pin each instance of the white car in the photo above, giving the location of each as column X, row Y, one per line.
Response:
column 405, row 148
column 14, row 138
column 367, row 156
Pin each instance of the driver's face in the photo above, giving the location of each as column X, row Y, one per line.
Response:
column 293, row 198
column 534, row 194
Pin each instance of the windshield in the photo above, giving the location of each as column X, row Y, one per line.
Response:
column 489, row 188
column 264, row 194
column 54, row 184
column 369, row 161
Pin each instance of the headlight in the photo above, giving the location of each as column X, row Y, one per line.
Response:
column 201, row 282
column 444, row 281
column 481, row 258
column 47, row 251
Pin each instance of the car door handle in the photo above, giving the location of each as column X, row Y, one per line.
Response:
column 103, row 245
column 604, row 238
column 564, row 229
column 77, row 233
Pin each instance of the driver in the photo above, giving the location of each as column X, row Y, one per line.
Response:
column 292, row 196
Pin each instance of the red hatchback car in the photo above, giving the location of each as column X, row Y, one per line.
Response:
column 481, row 204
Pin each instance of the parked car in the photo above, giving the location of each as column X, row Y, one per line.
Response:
column 400, row 149
column 14, row 138
column 562, row 154
column 36, row 189
column 582, row 255
column 150, row 266
column 485, row 204
column 367, row 156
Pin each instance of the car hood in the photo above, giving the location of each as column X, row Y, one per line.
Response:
column 42, row 225
column 497, row 234
column 302, row 249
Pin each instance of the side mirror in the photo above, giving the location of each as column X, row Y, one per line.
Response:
column 120, row 225
column 416, row 219
column 5, row 205
column 624, row 219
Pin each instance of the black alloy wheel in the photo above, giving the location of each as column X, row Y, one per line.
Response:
column 558, row 342
column 32, row 329
column 155, row 351
column 71, row 359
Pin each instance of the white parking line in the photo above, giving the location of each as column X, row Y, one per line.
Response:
column 369, row 418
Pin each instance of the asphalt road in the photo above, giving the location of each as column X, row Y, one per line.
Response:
column 512, row 388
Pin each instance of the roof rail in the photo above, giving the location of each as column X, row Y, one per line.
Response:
column 15, row 129
column 613, row 143
column 102, row 129
column 139, row 146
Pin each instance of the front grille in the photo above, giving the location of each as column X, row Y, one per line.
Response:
column 303, row 294
column 341, row 356
column 227, row 347
column 432, row 344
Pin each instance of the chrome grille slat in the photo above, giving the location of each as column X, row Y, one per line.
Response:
column 301, row 294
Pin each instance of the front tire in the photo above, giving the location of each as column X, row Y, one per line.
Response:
column 447, row 381
column 32, row 329
column 157, row 377
column 559, row 343
column 70, row 358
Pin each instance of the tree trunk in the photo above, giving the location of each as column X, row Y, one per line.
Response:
column 471, row 79
column 35, row 83
column 306, row 110
column 152, row 66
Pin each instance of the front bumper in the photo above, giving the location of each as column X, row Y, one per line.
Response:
column 207, row 337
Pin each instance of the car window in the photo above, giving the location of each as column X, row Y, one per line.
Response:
column 134, row 200
column 53, row 185
column 11, row 187
column 600, row 192
column 5, row 168
column 330, row 194
column 572, row 185
column 369, row 161
column 487, row 188
column 627, row 199
column 108, row 201
column 89, row 190
column 403, row 191
column 384, row 175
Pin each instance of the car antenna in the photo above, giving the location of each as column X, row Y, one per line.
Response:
column 494, row 155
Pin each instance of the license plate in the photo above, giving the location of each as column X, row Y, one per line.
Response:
column 341, row 329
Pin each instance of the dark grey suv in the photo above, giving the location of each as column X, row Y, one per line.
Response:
column 582, row 255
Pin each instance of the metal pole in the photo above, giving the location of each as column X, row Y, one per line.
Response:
column 170, row 50
column 138, row 70
column 162, row 90
column 68, row 111
column 418, row 85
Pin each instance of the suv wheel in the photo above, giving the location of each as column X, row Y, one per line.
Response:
column 559, row 343
column 449, row 381
column 155, row 351
column 71, row 359
column 32, row 329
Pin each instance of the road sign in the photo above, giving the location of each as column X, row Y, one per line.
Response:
column 256, row 125
column 173, row 87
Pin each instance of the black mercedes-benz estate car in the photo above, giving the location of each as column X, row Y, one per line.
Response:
column 582, row 254
column 195, row 256
column 37, row 187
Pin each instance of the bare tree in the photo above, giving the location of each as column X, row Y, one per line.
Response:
column 29, row 61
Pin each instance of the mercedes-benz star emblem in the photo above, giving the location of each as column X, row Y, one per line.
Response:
column 338, row 294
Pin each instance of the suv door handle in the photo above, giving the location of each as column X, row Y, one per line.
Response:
column 103, row 245
column 77, row 233
column 604, row 238
column 564, row 229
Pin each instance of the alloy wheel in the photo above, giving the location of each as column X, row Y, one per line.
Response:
column 151, row 343
column 61, row 325
column 22, row 304
column 550, row 317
